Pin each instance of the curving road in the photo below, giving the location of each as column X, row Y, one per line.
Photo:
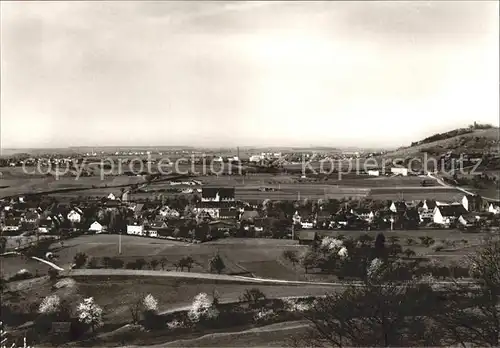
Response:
column 442, row 183
column 217, row 277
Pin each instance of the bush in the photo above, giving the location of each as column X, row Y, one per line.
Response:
column 93, row 263
column 131, row 265
column 21, row 275
column 80, row 260
column 253, row 296
column 116, row 263
column 50, row 305
column 202, row 309
column 217, row 264
column 438, row 247
column 140, row 263
column 53, row 273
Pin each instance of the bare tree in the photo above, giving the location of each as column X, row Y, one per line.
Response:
column 471, row 314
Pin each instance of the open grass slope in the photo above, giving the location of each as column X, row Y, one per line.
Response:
column 261, row 257
column 480, row 140
column 274, row 335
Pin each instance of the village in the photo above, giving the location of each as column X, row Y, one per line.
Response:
column 213, row 212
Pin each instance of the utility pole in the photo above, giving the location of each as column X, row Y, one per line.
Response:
column 120, row 243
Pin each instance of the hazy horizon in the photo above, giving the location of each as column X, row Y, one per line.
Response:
column 248, row 74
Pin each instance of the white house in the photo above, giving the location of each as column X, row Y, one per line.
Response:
column 167, row 212
column 307, row 225
column 255, row 158
column 494, row 208
column 111, row 196
column 398, row 206
column 96, row 227
column 296, row 218
column 399, row 171
column 74, row 216
column 364, row 214
column 472, row 202
column 137, row 230
column 374, row 172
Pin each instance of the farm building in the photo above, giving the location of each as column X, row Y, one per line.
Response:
column 399, row 171
column 96, row 227
column 472, row 202
column 468, row 220
column 217, row 194
column 448, row 214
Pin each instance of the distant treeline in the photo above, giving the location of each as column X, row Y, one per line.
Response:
column 451, row 134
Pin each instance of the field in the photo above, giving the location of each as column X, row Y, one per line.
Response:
column 281, row 186
column 241, row 256
column 252, row 257
column 10, row 265
column 19, row 184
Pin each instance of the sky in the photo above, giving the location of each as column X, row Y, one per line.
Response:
column 356, row 73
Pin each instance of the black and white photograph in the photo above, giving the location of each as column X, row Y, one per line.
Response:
column 249, row 174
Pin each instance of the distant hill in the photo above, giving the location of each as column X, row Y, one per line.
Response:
column 462, row 140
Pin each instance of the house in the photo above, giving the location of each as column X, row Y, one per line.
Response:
column 75, row 215
column 448, row 214
column 472, row 202
column 427, row 205
column 323, row 219
column 112, row 204
column 169, row 213
column 258, row 225
column 96, row 227
column 211, row 210
column 374, row 172
column 156, row 227
column 31, row 217
column 12, row 225
column 137, row 230
column 307, row 225
column 111, row 196
column 228, row 214
column 494, row 208
column 125, row 196
column 45, row 225
column 468, row 220
column 363, row 214
column 307, row 237
column 425, row 215
column 398, row 206
column 218, row 194
column 399, row 171
column 296, row 218
column 221, row 226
